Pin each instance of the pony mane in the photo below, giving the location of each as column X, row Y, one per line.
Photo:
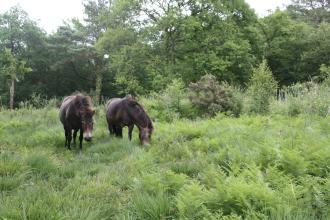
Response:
column 84, row 102
column 145, row 117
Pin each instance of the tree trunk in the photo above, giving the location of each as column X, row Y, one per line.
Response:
column 98, row 86
column 11, row 94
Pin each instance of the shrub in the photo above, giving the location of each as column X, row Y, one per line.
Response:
column 174, row 94
column 210, row 97
column 261, row 88
column 170, row 104
column 128, row 84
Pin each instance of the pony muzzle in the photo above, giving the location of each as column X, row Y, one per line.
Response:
column 88, row 136
column 145, row 142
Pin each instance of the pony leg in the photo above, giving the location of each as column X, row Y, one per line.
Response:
column 74, row 137
column 111, row 129
column 115, row 130
column 69, row 137
column 81, row 139
column 130, row 129
column 66, row 136
column 119, row 131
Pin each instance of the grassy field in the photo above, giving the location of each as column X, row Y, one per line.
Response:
column 252, row 167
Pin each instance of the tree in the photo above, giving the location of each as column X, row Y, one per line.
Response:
column 317, row 52
column 125, row 70
column 312, row 11
column 261, row 88
column 12, row 69
column 189, row 39
column 149, row 46
column 13, row 25
column 96, row 24
column 285, row 43
column 38, row 57
column 72, row 65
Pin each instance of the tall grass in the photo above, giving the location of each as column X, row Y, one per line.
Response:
column 309, row 98
column 252, row 167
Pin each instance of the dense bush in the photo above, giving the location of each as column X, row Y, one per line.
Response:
column 170, row 104
column 261, row 88
column 210, row 97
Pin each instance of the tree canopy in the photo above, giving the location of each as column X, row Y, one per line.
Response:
column 149, row 43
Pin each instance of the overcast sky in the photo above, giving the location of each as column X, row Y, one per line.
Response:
column 262, row 6
column 50, row 13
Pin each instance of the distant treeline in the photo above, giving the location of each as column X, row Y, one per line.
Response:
column 133, row 46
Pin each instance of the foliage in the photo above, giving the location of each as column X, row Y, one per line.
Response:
column 13, row 70
column 316, row 55
column 14, row 27
column 11, row 67
column 286, row 42
column 211, row 97
column 171, row 103
column 261, row 88
column 312, row 11
column 148, row 47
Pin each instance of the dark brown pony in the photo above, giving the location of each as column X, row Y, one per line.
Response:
column 121, row 112
column 76, row 113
